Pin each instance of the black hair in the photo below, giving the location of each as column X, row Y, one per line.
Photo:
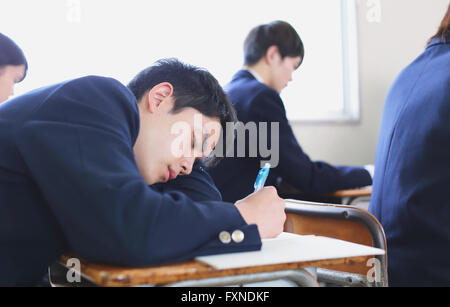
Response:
column 277, row 33
column 11, row 54
column 193, row 87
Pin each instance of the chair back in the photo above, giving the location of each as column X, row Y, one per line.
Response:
column 340, row 222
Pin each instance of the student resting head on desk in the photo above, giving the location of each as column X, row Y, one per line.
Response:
column 272, row 52
column 13, row 66
column 76, row 161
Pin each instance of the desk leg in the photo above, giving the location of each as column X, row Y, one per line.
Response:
column 347, row 201
column 342, row 278
column 301, row 278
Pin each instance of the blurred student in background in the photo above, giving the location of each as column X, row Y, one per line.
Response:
column 13, row 66
column 410, row 189
column 272, row 52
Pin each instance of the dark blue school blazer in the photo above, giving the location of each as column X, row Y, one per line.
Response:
column 412, row 171
column 256, row 102
column 198, row 185
column 69, row 182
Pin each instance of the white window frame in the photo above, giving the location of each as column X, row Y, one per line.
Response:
column 350, row 70
column 350, row 60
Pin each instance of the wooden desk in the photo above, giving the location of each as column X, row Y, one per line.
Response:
column 111, row 276
column 353, row 193
column 345, row 197
column 348, row 196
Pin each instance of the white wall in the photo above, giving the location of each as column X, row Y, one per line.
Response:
column 385, row 47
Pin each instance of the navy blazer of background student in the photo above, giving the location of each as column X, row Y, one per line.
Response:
column 412, row 178
column 256, row 102
column 69, row 182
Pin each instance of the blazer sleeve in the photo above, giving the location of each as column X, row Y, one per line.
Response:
column 295, row 166
column 78, row 149
column 198, row 185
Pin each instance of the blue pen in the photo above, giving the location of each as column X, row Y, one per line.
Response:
column 262, row 176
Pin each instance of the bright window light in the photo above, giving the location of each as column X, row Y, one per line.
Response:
column 118, row 38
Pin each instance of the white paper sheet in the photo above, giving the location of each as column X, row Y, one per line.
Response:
column 289, row 248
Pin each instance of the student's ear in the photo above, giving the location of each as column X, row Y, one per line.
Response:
column 272, row 54
column 158, row 95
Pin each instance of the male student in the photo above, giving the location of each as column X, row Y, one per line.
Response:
column 76, row 161
column 271, row 53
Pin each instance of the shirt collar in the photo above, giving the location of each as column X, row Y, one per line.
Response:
column 436, row 41
column 255, row 74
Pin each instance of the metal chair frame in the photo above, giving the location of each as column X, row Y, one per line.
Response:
column 346, row 213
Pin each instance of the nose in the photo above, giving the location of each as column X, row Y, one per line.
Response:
column 186, row 166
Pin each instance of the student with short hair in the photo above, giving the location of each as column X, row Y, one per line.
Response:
column 76, row 162
column 271, row 54
column 13, row 66
column 410, row 190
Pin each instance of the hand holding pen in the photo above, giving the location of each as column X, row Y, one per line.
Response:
column 263, row 207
